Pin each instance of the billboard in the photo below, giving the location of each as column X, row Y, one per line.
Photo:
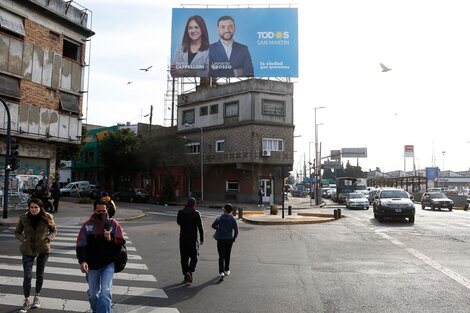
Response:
column 432, row 173
column 354, row 152
column 409, row 150
column 230, row 42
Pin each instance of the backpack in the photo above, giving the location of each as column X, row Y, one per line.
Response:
column 120, row 258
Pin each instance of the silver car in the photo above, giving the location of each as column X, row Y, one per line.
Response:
column 357, row 200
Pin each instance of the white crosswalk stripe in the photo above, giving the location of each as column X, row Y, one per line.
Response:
column 64, row 272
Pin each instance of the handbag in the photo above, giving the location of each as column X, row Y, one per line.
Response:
column 216, row 234
column 121, row 259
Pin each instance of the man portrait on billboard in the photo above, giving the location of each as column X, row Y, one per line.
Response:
column 192, row 56
column 228, row 58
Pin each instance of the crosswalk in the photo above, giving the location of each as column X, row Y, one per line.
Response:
column 64, row 287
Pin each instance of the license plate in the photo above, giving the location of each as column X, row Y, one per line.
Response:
column 397, row 210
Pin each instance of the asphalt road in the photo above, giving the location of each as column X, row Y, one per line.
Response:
column 354, row 264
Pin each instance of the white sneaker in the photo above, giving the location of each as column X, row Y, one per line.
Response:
column 26, row 307
column 227, row 273
column 36, row 302
column 221, row 276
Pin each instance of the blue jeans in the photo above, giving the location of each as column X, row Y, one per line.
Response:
column 28, row 272
column 100, row 285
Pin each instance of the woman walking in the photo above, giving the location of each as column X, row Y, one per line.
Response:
column 227, row 232
column 35, row 230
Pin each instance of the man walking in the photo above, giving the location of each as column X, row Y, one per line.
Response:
column 98, row 242
column 190, row 222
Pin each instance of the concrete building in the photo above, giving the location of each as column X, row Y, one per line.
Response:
column 243, row 132
column 42, row 75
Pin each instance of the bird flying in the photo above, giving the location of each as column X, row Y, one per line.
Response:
column 146, row 69
column 129, row 83
column 384, row 68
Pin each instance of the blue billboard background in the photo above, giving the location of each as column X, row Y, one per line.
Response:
column 271, row 35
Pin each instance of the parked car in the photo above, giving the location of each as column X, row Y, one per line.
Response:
column 436, row 200
column 357, row 200
column 393, row 202
column 132, row 195
column 73, row 188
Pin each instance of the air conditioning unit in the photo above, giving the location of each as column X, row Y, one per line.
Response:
column 266, row 152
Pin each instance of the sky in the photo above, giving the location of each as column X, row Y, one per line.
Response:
column 423, row 101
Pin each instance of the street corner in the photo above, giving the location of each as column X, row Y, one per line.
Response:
column 295, row 219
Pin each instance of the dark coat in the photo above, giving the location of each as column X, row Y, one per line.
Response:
column 190, row 222
column 92, row 246
column 35, row 241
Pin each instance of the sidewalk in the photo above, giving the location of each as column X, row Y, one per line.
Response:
column 304, row 211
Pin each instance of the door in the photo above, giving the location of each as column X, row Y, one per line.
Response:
column 266, row 185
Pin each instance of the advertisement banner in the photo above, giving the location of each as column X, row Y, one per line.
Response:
column 354, row 152
column 409, row 150
column 231, row 42
column 432, row 173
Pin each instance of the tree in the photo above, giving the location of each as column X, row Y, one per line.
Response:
column 120, row 156
column 70, row 151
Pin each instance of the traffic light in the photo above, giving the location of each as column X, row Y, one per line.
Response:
column 12, row 158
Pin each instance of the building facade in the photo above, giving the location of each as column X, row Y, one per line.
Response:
column 42, row 69
column 243, row 135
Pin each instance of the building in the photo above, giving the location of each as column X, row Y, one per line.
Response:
column 42, row 71
column 243, row 135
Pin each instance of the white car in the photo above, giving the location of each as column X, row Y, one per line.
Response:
column 357, row 200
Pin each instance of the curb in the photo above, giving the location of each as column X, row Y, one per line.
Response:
column 324, row 218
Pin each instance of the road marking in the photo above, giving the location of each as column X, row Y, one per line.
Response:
column 53, row 259
column 76, row 286
column 436, row 265
column 77, row 272
column 67, row 305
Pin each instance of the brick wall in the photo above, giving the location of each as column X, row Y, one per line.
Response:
column 38, row 95
column 43, row 37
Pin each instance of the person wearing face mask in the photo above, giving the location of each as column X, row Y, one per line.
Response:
column 98, row 241
column 35, row 230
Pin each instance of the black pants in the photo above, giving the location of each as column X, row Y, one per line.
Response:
column 224, row 248
column 56, row 204
column 188, row 253
column 28, row 272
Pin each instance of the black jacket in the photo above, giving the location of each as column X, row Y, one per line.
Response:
column 190, row 222
column 93, row 248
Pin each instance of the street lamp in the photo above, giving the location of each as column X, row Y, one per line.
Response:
column 317, row 156
column 201, row 149
column 443, row 153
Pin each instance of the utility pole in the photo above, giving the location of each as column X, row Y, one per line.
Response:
column 7, row 156
column 150, row 120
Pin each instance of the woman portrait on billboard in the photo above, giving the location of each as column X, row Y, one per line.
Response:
column 192, row 57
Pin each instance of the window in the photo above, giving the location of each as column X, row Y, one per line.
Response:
column 214, row 109
column 71, row 50
column 69, row 102
column 273, row 144
column 220, row 146
column 9, row 86
column 89, row 157
column 273, row 107
column 231, row 186
column 11, row 24
column 193, row 148
column 202, row 111
column 188, row 117
column 231, row 109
